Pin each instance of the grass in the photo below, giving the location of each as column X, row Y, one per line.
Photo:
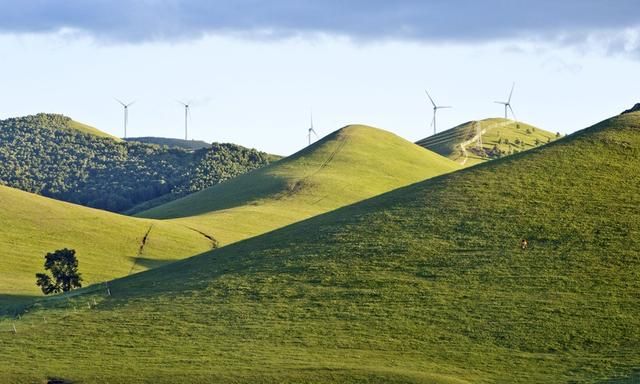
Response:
column 107, row 244
column 351, row 164
column 424, row 284
column 505, row 135
column 90, row 130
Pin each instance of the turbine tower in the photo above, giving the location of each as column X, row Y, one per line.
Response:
column 435, row 110
column 311, row 130
column 126, row 114
column 507, row 104
column 187, row 115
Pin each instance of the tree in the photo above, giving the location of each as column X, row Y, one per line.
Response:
column 63, row 266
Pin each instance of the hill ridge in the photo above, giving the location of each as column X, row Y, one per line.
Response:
column 500, row 137
column 349, row 164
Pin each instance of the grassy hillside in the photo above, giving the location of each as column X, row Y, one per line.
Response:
column 84, row 128
column 54, row 156
column 500, row 137
column 108, row 245
column 425, row 284
column 351, row 164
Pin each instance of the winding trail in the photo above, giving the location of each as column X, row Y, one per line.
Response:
column 464, row 144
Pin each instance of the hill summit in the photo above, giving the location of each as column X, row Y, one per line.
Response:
column 635, row 108
column 54, row 156
column 477, row 141
column 350, row 164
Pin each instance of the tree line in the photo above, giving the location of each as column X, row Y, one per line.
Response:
column 43, row 154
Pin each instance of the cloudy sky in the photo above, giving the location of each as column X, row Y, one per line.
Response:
column 255, row 69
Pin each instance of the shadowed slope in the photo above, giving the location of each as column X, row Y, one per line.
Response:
column 351, row 164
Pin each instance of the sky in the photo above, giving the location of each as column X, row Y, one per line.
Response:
column 255, row 70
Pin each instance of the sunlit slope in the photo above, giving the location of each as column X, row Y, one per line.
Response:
column 425, row 284
column 108, row 245
column 499, row 138
column 351, row 164
column 89, row 129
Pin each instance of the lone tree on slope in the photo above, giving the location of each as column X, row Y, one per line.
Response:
column 63, row 266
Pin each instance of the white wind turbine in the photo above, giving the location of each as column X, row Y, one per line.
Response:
column 311, row 130
column 126, row 114
column 435, row 110
column 507, row 104
column 187, row 116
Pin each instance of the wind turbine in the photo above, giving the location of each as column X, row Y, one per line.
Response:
column 311, row 130
column 507, row 104
column 435, row 110
column 126, row 114
column 187, row 115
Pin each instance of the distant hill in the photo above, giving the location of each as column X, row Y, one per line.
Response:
column 56, row 157
column 108, row 245
column 351, row 164
column 499, row 137
column 170, row 142
column 424, row 284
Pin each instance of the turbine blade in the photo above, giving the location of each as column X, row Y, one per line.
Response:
column 501, row 102
column 511, row 93
column 429, row 96
column 444, row 106
column 119, row 101
column 513, row 113
column 131, row 103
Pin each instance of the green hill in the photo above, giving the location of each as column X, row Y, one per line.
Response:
column 108, row 245
column 499, row 137
column 424, row 284
column 54, row 156
column 351, row 164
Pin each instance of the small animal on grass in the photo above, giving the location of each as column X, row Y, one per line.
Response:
column 524, row 244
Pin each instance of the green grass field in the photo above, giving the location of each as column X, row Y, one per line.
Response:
column 108, row 245
column 500, row 137
column 349, row 165
column 424, row 284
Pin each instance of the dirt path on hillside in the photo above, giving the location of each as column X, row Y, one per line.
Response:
column 141, row 248
column 463, row 145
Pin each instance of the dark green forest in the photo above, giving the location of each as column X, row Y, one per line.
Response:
column 43, row 154
column 171, row 142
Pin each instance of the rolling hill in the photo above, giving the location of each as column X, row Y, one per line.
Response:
column 54, row 156
column 351, row 164
column 424, row 284
column 108, row 245
column 499, row 137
